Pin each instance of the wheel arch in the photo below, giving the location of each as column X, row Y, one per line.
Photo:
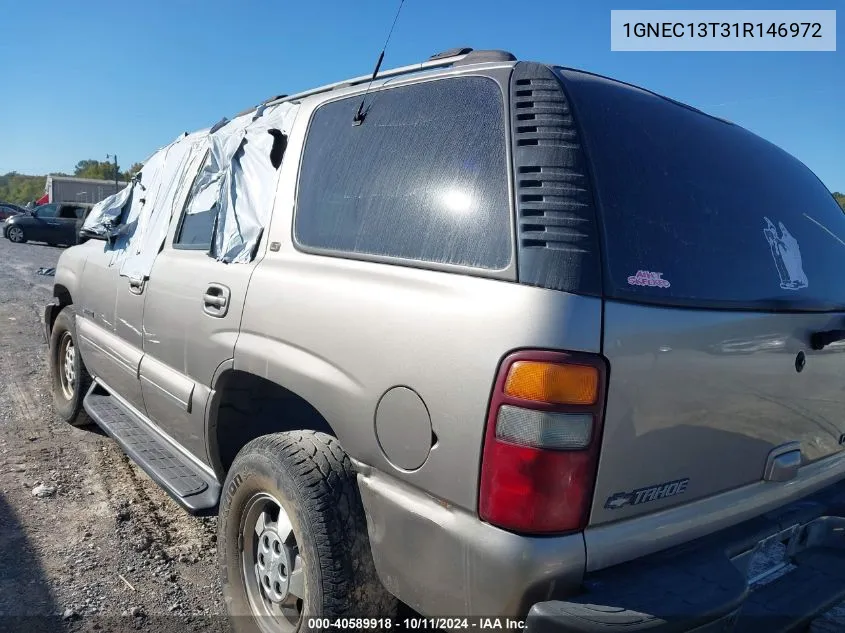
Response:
column 244, row 406
column 62, row 294
column 63, row 299
column 9, row 227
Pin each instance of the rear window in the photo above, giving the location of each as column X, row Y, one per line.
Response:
column 69, row 213
column 697, row 211
column 423, row 178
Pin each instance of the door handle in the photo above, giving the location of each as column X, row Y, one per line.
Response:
column 136, row 286
column 215, row 301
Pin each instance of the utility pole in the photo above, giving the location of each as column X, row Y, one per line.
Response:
column 116, row 174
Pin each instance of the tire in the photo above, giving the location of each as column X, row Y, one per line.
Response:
column 16, row 234
column 307, row 475
column 69, row 388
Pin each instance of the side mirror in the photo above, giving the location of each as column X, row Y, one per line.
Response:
column 92, row 235
column 85, row 235
column 106, row 231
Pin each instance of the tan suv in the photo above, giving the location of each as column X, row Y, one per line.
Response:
column 484, row 337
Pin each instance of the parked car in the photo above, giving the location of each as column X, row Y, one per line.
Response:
column 7, row 210
column 457, row 351
column 51, row 223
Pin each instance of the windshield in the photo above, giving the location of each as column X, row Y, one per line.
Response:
column 698, row 211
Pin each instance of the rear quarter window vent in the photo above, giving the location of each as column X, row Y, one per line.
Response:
column 556, row 218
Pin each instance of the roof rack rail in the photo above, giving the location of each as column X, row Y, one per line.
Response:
column 452, row 52
column 439, row 60
column 479, row 57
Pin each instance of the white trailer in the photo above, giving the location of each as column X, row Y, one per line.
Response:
column 70, row 190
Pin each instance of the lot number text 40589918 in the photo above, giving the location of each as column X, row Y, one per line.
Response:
column 417, row 623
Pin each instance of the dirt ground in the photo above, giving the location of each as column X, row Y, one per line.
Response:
column 105, row 550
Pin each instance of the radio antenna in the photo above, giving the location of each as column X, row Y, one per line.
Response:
column 358, row 119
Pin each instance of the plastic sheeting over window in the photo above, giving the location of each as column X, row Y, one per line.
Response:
column 242, row 180
column 165, row 191
column 228, row 170
column 106, row 214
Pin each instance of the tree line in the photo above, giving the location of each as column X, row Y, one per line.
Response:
column 22, row 189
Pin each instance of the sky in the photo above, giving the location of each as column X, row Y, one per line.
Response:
column 84, row 79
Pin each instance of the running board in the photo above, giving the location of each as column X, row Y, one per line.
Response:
column 196, row 491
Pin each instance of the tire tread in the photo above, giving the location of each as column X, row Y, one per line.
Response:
column 75, row 415
column 327, row 482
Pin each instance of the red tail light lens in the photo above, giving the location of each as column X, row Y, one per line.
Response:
column 542, row 442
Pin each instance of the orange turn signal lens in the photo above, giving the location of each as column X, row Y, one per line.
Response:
column 552, row 383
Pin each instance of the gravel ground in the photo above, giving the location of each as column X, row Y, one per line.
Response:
column 87, row 541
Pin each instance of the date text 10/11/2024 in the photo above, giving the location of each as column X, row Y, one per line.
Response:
column 420, row 623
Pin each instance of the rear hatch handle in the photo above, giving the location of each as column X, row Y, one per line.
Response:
column 783, row 462
column 820, row 340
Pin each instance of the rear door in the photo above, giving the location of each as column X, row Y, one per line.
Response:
column 723, row 257
column 81, row 213
column 64, row 230
column 192, row 318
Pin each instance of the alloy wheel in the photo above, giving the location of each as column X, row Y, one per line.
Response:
column 272, row 567
column 67, row 365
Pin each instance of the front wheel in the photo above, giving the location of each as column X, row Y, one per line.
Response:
column 70, row 378
column 16, row 235
column 293, row 538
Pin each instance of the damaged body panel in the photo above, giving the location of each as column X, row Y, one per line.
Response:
column 229, row 172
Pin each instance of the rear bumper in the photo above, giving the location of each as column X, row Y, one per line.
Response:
column 702, row 586
column 443, row 561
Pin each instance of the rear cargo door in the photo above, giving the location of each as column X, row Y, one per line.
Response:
column 723, row 255
column 699, row 399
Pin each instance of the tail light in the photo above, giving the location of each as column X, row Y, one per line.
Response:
column 542, row 442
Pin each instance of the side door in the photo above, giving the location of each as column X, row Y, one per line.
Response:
column 191, row 323
column 109, row 325
column 112, row 309
column 42, row 222
column 81, row 214
column 64, row 229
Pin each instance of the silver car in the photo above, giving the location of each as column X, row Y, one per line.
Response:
column 515, row 340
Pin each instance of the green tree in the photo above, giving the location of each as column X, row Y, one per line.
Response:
column 20, row 189
column 99, row 170
column 127, row 175
column 840, row 198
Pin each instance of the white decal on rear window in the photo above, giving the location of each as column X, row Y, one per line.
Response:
column 787, row 256
column 648, row 278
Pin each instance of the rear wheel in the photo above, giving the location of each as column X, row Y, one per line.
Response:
column 70, row 378
column 16, row 234
column 293, row 537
